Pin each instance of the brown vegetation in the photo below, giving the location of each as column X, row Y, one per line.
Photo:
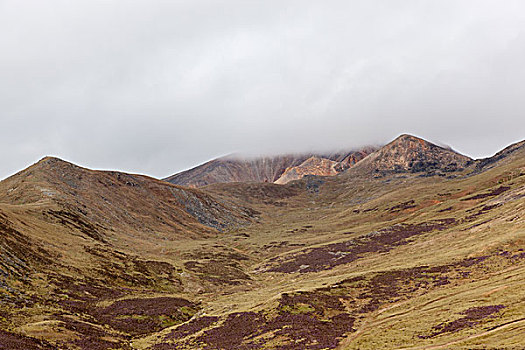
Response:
column 418, row 248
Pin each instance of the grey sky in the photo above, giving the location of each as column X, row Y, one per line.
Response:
column 158, row 86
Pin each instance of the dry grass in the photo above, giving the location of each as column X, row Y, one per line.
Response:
column 75, row 265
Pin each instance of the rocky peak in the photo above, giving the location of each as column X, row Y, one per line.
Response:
column 408, row 153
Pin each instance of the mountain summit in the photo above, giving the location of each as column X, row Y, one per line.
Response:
column 412, row 154
column 116, row 199
column 406, row 153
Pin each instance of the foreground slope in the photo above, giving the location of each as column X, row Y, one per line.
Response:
column 367, row 259
column 71, row 235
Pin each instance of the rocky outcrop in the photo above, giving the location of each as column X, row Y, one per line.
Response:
column 410, row 154
column 325, row 165
column 236, row 168
column 311, row 166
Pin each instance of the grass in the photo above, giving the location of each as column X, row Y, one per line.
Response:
column 398, row 297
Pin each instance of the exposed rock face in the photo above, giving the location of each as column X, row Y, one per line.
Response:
column 267, row 169
column 414, row 155
column 236, row 169
column 311, row 166
column 327, row 165
column 354, row 157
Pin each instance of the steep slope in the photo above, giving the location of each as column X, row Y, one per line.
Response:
column 71, row 237
column 348, row 159
column 236, row 169
column 411, row 154
column 262, row 169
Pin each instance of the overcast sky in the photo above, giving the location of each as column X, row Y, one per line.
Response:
column 157, row 86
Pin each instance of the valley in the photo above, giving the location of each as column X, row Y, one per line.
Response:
column 413, row 246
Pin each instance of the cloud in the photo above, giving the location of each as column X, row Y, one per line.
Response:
column 158, row 86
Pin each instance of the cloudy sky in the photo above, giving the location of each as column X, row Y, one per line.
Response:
column 156, row 86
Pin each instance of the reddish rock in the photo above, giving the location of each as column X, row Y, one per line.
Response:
column 414, row 155
column 236, row 168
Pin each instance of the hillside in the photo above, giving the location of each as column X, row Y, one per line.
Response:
column 68, row 232
column 414, row 247
column 265, row 169
column 119, row 199
column 507, row 154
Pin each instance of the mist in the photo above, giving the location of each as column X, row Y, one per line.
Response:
column 156, row 87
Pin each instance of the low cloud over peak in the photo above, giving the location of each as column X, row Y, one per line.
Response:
column 159, row 86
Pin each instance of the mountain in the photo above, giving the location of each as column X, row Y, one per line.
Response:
column 116, row 199
column 311, row 166
column 390, row 254
column 327, row 165
column 264, row 169
column 236, row 169
column 411, row 154
column 515, row 150
column 70, row 236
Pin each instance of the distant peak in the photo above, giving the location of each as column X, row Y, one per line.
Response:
column 51, row 159
column 408, row 138
column 52, row 163
column 406, row 142
column 408, row 153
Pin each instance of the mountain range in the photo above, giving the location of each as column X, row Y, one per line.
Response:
column 278, row 169
column 405, row 246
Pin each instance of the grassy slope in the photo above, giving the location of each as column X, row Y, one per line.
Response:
column 333, row 215
column 73, row 240
column 457, row 286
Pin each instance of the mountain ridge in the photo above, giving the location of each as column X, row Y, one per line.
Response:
column 408, row 153
column 59, row 181
column 236, row 168
column 401, row 250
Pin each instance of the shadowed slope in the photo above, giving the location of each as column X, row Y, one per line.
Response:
column 71, row 237
column 236, row 169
